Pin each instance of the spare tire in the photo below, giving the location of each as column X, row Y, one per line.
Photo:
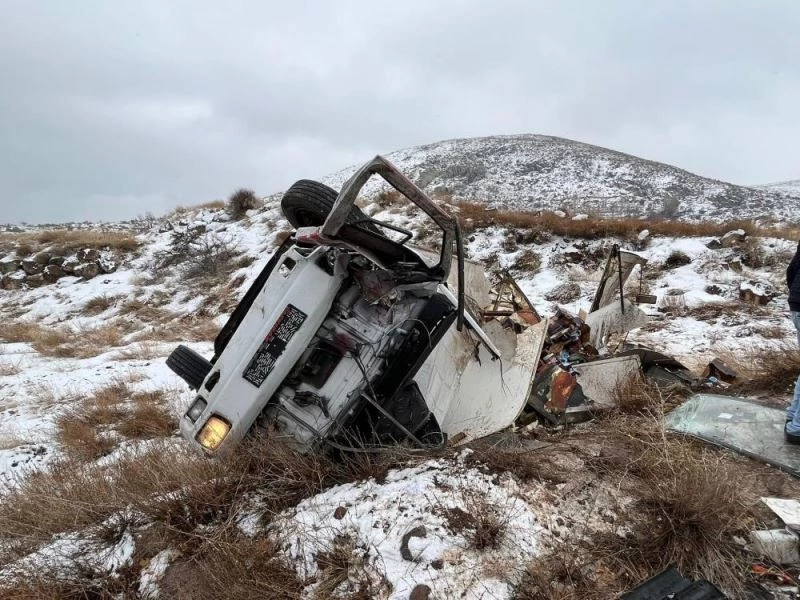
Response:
column 308, row 203
column 189, row 366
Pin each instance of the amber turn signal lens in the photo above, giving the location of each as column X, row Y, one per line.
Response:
column 213, row 432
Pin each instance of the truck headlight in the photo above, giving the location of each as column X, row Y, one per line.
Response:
column 196, row 409
column 213, row 432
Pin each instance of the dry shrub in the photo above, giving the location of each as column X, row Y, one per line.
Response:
column 528, row 261
column 475, row 215
column 8, row 369
column 174, row 488
column 84, row 430
column 92, row 427
column 636, row 395
column 21, row 331
column 150, row 417
column 714, row 310
column 483, row 524
column 342, row 572
column 241, row 201
column 689, row 504
column 677, row 258
column 140, row 351
column 232, row 567
column 63, row 341
column 529, row 465
column 771, row 370
column 98, row 304
column 564, row 573
column 70, row 240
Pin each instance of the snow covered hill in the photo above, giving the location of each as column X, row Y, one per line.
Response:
column 544, row 172
column 790, row 188
column 89, row 413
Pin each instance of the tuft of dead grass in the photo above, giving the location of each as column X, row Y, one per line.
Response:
column 770, row 370
column 475, row 215
column 69, row 240
column 233, row 567
column 98, row 304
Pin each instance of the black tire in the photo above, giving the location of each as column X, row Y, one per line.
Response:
column 189, row 366
column 308, row 203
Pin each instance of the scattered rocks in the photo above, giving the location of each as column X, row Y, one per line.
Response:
column 715, row 290
column 53, row 273
column 11, row 282
column 87, row 270
column 733, row 238
column 714, row 244
column 677, row 259
column 57, row 260
column 420, row 592
column 31, row 267
column 88, row 255
column 756, row 292
column 9, row 265
column 42, row 258
column 107, row 265
column 69, row 264
column 566, row 292
column 35, row 280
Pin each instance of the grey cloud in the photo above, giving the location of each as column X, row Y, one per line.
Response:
column 113, row 109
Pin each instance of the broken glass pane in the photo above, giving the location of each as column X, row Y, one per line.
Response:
column 742, row 425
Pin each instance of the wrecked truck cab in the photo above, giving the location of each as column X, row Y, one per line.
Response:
column 351, row 337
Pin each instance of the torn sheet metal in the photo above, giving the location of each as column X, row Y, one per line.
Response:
column 568, row 394
column 787, row 509
column 671, row 585
column 555, row 390
column 721, row 370
column 739, row 424
column 619, row 263
column 509, row 303
column 661, row 369
column 474, row 394
column 600, row 379
column 612, row 320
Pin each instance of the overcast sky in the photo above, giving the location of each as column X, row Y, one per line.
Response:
column 111, row 109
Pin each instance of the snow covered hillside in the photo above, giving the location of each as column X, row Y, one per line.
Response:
column 544, row 172
column 97, row 492
column 790, row 188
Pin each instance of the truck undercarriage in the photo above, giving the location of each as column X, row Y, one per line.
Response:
column 350, row 337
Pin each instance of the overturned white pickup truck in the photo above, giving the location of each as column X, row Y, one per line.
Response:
column 349, row 337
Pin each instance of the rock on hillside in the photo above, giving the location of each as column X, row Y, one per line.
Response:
column 544, row 172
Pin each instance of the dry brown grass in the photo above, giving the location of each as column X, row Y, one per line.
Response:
column 92, row 427
column 98, row 304
column 179, row 492
column 69, row 240
column 8, row 369
column 64, row 341
column 687, row 503
column 342, row 572
column 21, row 331
column 474, row 215
column 140, row 351
column 771, row 370
column 150, row 417
column 211, row 205
column 715, row 310
column 233, row 567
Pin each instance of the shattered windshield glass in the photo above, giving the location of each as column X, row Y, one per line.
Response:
column 739, row 424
